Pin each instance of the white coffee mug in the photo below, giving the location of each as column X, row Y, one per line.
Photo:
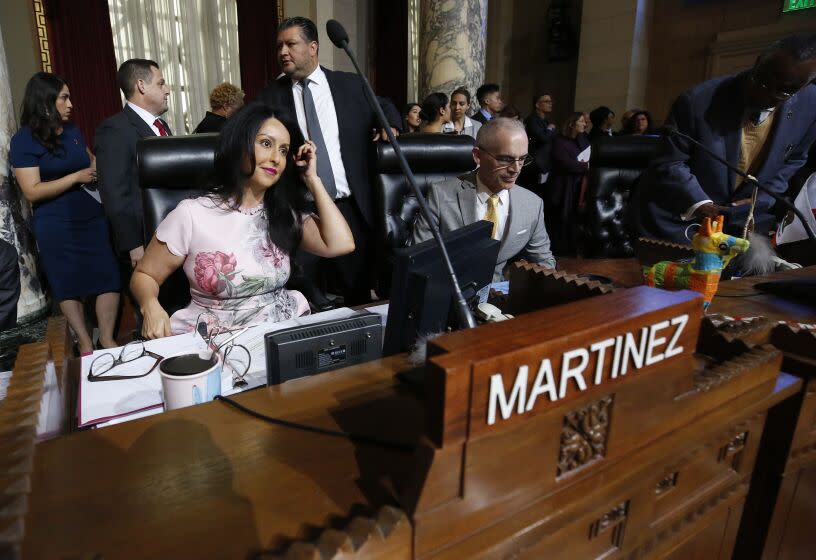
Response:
column 182, row 390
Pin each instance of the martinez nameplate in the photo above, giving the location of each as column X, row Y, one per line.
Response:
column 517, row 369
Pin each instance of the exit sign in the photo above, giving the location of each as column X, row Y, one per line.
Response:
column 795, row 5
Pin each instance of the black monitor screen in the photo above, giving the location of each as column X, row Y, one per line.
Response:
column 421, row 295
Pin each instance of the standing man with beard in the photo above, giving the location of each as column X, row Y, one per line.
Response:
column 763, row 121
column 330, row 109
column 491, row 194
column 146, row 93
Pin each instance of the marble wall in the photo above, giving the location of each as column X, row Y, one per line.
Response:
column 452, row 45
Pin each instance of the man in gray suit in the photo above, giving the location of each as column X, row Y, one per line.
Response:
column 492, row 194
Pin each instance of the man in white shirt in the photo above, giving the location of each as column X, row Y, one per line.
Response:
column 492, row 194
column 330, row 109
column 115, row 141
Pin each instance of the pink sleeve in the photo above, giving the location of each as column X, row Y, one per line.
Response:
column 177, row 229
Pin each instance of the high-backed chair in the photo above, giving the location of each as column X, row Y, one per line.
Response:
column 615, row 165
column 173, row 168
column 432, row 157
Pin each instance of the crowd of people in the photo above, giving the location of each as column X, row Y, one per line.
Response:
column 292, row 215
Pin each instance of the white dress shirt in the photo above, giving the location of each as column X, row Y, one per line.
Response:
column 146, row 116
column 482, row 194
column 327, row 116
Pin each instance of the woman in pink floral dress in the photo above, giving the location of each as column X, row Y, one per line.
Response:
column 234, row 243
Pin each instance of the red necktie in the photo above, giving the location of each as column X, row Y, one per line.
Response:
column 162, row 129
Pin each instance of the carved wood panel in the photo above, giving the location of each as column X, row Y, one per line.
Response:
column 584, row 435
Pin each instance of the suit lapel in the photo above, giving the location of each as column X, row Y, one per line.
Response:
column 138, row 123
column 286, row 98
column 783, row 117
column 510, row 227
column 338, row 97
column 466, row 197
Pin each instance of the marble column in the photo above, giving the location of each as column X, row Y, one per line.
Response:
column 452, row 46
column 15, row 218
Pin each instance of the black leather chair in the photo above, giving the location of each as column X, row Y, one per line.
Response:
column 171, row 169
column 432, row 157
column 615, row 166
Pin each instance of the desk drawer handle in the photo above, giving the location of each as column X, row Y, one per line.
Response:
column 666, row 484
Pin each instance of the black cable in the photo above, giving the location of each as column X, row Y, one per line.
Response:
column 367, row 440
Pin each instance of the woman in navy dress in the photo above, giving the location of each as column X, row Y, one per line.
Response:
column 52, row 163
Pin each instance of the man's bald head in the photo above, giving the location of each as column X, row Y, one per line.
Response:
column 501, row 146
column 497, row 130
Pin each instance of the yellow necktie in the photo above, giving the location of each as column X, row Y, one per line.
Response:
column 492, row 214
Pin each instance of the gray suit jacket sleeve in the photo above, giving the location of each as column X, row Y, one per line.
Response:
column 537, row 249
column 422, row 231
column 118, row 185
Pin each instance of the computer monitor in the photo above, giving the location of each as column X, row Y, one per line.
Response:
column 421, row 295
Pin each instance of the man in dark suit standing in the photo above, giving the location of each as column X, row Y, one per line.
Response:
column 762, row 120
column 490, row 101
column 115, row 146
column 330, row 109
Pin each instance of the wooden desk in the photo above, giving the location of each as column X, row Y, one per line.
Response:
column 211, row 482
column 777, row 523
column 739, row 298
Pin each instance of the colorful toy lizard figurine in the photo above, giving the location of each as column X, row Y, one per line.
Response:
column 713, row 250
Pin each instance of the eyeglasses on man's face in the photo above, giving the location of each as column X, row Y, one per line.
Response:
column 508, row 161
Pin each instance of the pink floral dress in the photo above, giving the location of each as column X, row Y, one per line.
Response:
column 233, row 269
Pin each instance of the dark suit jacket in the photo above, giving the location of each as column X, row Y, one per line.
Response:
column 9, row 285
column 712, row 112
column 478, row 116
column 210, row 123
column 115, row 149
column 541, row 138
column 355, row 121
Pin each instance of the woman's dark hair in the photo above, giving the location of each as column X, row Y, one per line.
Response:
column 569, row 124
column 630, row 124
column 286, row 200
column 431, row 106
column 408, row 107
column 39, row 110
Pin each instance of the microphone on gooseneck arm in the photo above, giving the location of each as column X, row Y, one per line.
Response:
column 673, row 131
column 340, row 38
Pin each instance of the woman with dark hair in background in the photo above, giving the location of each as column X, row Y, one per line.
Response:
column 639, row 124
column 435, row 113
column 234, row 243
column 52, row 164
column 563, row 189
column 412, row 118
column 460, row 123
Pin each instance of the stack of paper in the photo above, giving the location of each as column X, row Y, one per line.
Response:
column 109, row 402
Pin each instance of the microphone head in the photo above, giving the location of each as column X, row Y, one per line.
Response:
column 336, row 33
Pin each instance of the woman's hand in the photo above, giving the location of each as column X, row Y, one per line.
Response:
column 306, row 162
column 85, row 176
column 156, row 323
